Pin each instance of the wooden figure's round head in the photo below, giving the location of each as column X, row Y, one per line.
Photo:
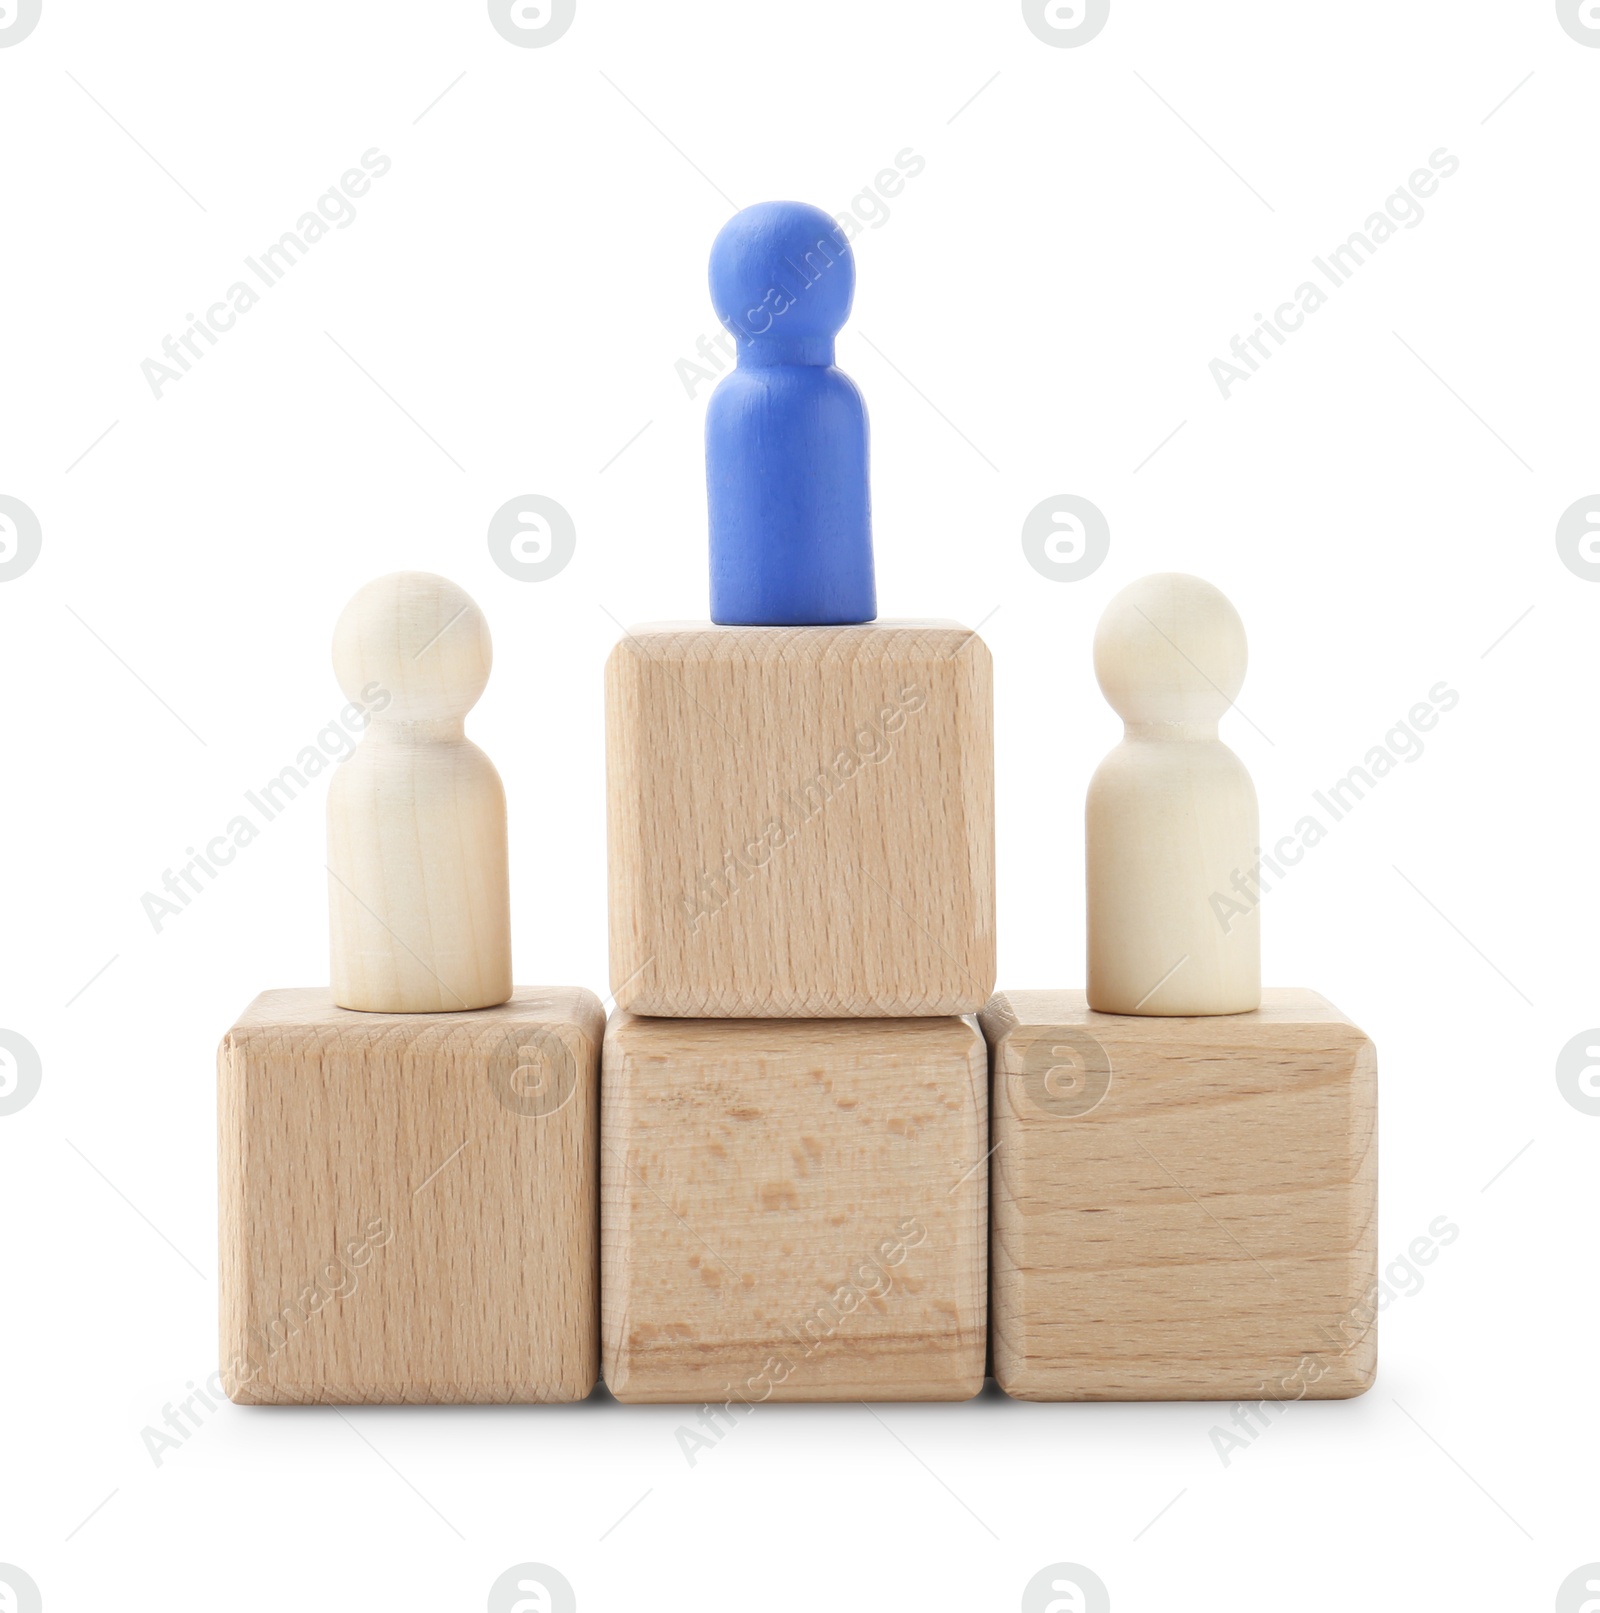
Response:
column 419, row 638
column 1170, row 650
column 782, row 280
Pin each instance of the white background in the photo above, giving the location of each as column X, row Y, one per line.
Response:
column 1035, row 317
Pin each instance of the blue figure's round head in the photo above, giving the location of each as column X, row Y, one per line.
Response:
column 782, row 280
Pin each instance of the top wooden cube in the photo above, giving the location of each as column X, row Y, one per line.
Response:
column 801, row 820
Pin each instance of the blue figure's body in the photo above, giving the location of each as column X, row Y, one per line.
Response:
column 786, row 433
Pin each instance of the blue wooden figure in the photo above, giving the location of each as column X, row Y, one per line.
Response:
column 786, row 433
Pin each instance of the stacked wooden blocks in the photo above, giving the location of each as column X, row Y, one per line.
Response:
column 794, row 1194
column 769, row 1176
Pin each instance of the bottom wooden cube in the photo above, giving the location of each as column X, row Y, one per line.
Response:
column 1184, row 1209
column 793, row 1210
column 409, row 1202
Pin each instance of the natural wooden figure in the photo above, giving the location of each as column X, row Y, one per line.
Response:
column 409, row 1203
column 1173, row 848
column 1183, row 1208
column 793, row 1210
column 801, row 820
column 418, row 890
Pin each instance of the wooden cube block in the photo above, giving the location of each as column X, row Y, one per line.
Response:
column 801, row 820
column 409, row 1202
column 1184, row 1209
column 793, row 1210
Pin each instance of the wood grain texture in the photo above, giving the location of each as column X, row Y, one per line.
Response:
column 801, row 820
column 1183, row 1208
column 793, row 1210
column 409, row 1203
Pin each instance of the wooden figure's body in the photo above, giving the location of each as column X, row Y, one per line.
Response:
column 786, row 432
column 1183, row 1209
column 801, row 820
column 793, row 1210
column 418, row 884
column 409, row 1202
column 1171, row 819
